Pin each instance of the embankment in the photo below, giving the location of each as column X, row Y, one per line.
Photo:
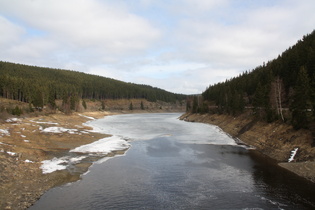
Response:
column 276, row 140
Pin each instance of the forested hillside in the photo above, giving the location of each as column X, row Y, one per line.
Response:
column 283, row 89
column 42, row 86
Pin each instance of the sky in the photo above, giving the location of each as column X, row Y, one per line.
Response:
column 182, row 46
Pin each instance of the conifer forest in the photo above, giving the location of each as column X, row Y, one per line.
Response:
column 281, row 89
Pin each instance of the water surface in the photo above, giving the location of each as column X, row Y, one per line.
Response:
column 173, row 164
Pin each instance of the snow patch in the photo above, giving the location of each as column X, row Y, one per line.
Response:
column 103, row 146
column 56, row 164
column 59, row 130
column 293, row 153
column 27, row 141
column 91, row 118
column 75, row 160
column 11, row 153
column 4, row 132
column 28, row 161
column 38, row 122
column 49, row 166
column 85, row 132
column 13, row 120
column 100, row 147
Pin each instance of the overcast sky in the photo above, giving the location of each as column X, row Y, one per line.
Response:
column 181, row 46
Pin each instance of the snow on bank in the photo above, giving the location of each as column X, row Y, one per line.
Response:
column 13, row 120
column 103, row 146
column 11, row 153
column 100, row 147
column 56, row 164
column 293, row 153
column 59, row 130
column 4, row 132
column 39, row 122
column 91, row 118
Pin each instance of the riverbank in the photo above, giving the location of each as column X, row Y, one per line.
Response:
column 276, row 140
column 25, row 142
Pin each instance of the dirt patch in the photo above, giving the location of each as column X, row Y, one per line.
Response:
column 276, row 140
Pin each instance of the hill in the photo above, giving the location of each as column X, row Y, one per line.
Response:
column 270, row 108
column 283, row 89
column 42, row 86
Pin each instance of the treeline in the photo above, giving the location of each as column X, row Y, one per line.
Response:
column 284, row 89
column 41, row 86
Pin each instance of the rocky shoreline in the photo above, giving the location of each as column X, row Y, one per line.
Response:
column 276, row 140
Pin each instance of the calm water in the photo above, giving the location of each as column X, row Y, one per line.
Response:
column 173, row 164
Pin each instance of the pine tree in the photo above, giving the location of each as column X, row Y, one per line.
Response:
column 301, row 100
column 259, row 100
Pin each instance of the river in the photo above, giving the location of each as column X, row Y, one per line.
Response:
column 172, row 164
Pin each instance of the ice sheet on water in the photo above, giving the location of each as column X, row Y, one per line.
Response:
column 149, row 126
column 100, row 147
column 103, row 146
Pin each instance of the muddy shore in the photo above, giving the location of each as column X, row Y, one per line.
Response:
column 276, row 140
column 23, row 146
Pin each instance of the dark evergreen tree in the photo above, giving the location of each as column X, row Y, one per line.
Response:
column 301, row 103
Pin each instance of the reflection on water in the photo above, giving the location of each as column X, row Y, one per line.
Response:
column 167, row 173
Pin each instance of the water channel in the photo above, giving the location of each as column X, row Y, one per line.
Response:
column 172, row 164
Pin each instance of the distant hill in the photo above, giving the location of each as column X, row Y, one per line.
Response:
column 283, row 89
column 43, row 86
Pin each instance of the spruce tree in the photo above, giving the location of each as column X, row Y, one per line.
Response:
column 301, row 100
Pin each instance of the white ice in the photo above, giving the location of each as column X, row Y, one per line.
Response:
column 49, row 166
column 293, row 153
column 145, row 126
column 103, row 146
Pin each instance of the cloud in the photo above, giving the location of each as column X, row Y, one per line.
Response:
column 258, row 35
column 11, row 33
column 96, row 28
column 180, row 45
